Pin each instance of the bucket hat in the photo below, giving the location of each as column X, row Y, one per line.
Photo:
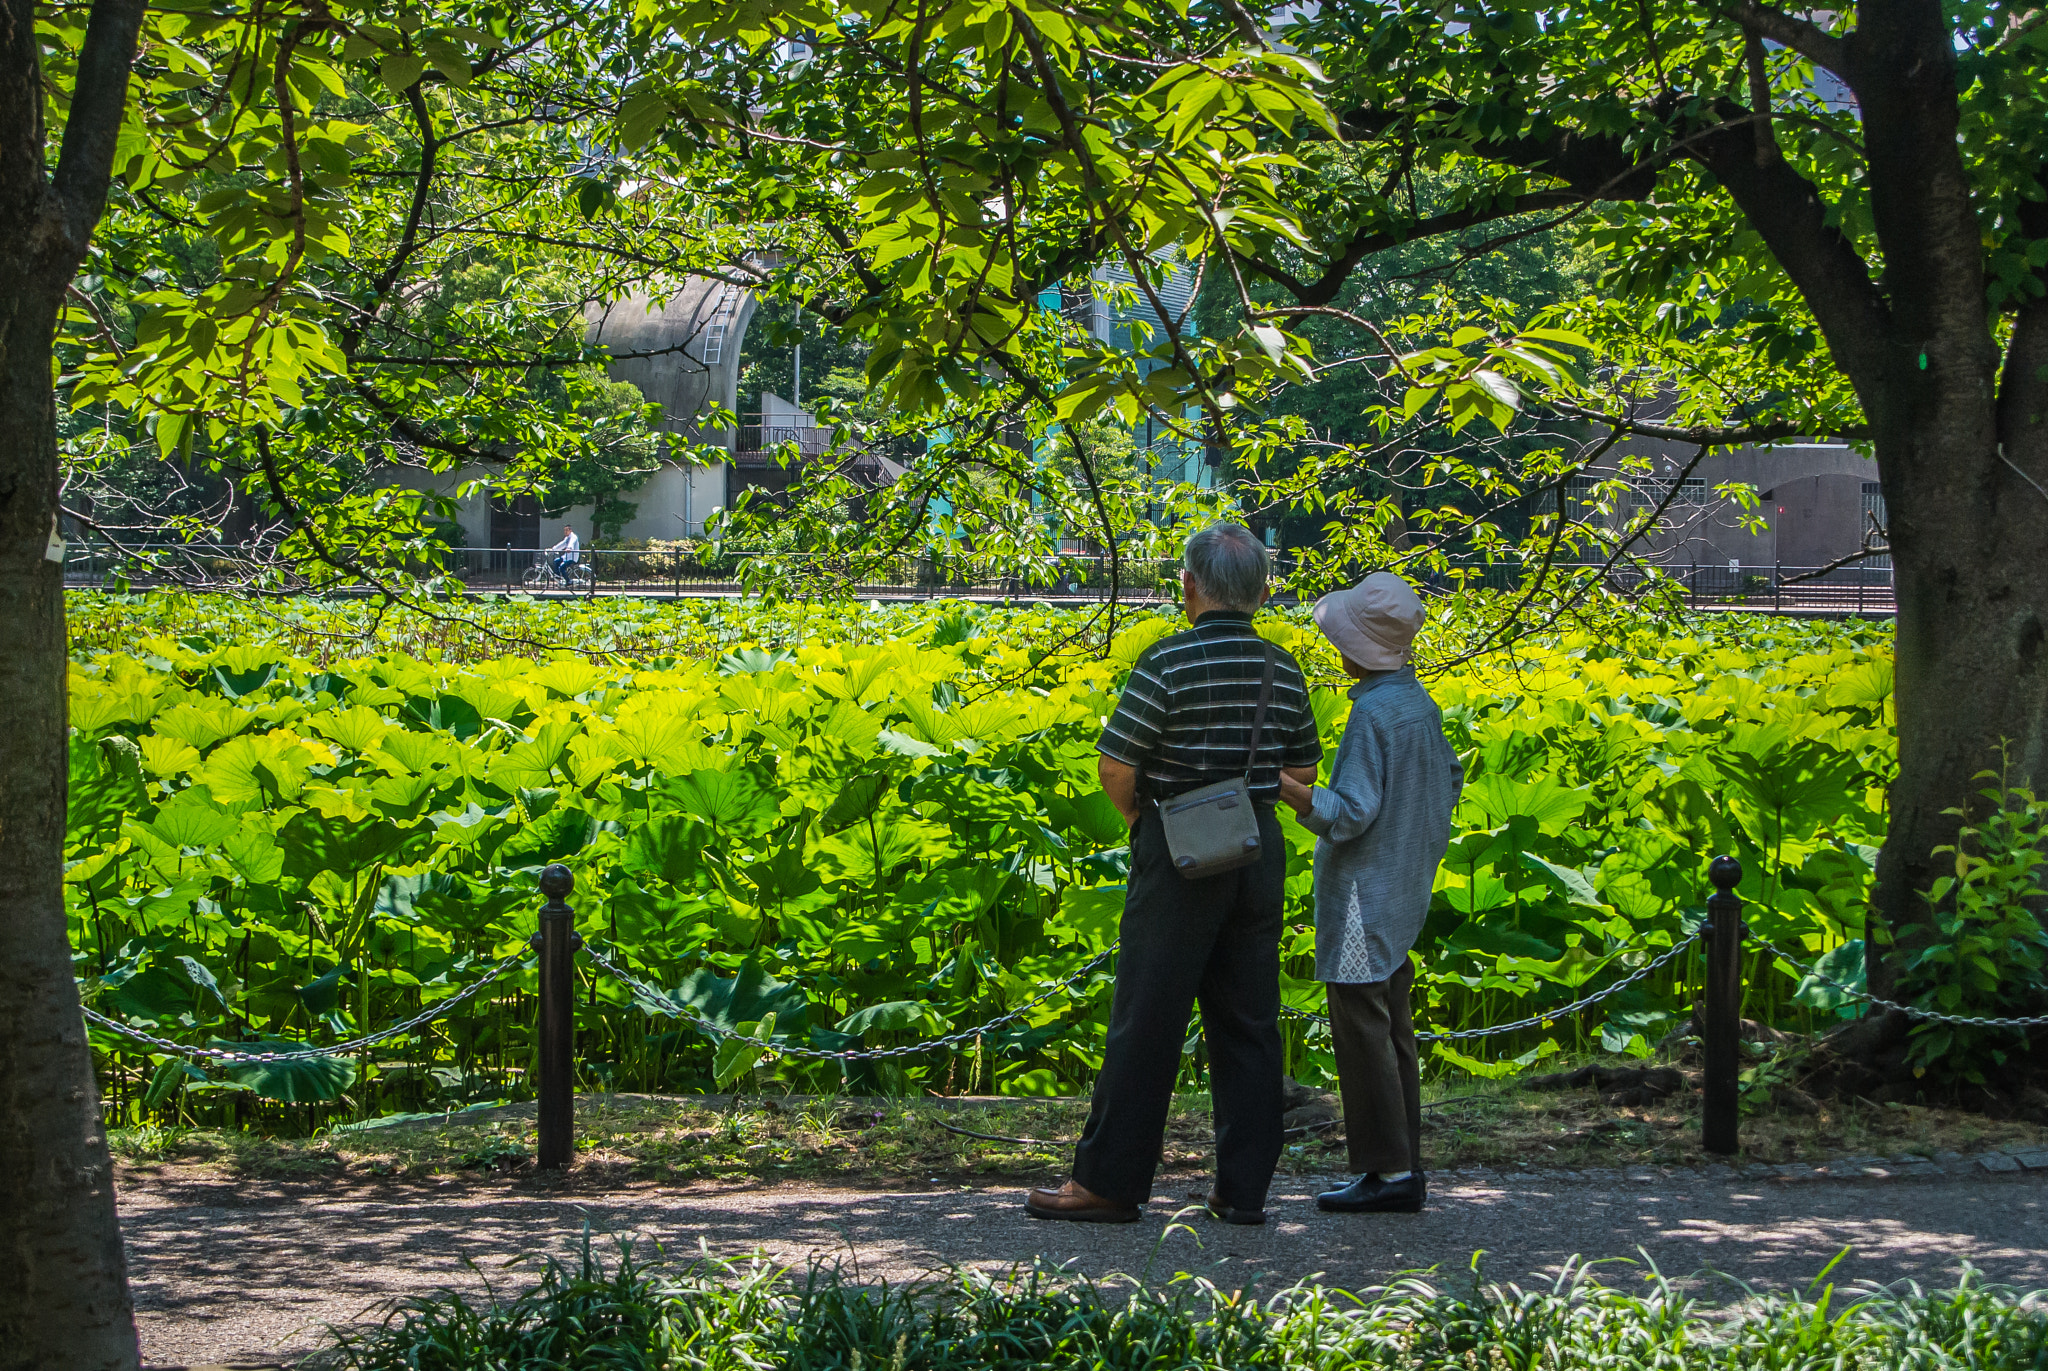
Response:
column 1374, row 623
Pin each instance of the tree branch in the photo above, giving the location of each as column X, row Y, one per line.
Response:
column 1787, row 210
column 2023, row 388
column 1592, row 167
column 1600, row 166
column 592, row 358
column 1809, row 40
column 430, row 147
column 418, row 434
column 99, row 98
column 1327, row 286
column 1836, row 565
column 1754, row 58
column 1712, row 436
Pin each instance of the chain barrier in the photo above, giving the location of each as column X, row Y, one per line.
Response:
column 227, row 1057
column 1911, row 1011
column 653, row 998
column 1534, row 1020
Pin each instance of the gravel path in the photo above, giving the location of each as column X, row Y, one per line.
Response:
column 240, row 1271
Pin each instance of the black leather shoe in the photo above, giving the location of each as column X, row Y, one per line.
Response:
column 1371, row 1195
column 1219, row 1210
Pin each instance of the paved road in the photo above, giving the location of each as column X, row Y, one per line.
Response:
column 238, row 1271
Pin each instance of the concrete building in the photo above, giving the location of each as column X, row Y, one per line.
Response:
column 683, row 353
column 1122, row 315
column 1816, row 503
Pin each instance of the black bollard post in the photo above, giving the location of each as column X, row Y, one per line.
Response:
column 557, row 1048
column 1720, row 1106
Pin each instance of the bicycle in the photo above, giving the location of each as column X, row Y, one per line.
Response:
column 543, row 576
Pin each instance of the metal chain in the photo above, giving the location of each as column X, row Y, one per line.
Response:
column 227, row 1057
column 964, row 1035
column 650, row 993
column 1534, row 1020
column 1911, row 1011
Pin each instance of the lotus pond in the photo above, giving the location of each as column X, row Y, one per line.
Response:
column 864, row 826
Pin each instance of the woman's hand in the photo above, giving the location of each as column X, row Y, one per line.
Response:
column 1296, row 796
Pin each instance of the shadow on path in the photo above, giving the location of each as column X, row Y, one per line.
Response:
column 225, row 1270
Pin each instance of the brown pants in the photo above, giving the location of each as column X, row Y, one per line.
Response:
column 1377, row 1072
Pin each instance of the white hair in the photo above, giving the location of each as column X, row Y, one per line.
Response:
column 1229, row 565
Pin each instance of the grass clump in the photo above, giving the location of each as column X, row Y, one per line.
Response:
column 716, row 1314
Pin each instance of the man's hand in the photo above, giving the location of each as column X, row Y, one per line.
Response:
column 1120, row 783
column 1296, row 788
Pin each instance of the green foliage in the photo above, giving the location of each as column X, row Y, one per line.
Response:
column 718, row 1313
column 348, row 264
column 341, row 283
column 1982, row 951
column 839, row 826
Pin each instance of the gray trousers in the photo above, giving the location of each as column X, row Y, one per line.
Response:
column 1378, row 1075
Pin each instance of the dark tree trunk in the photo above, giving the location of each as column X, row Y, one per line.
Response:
column 1970, row 551
column 1969, row 534
column 64, row 1299
column 1969, row 531
column 63, row 1283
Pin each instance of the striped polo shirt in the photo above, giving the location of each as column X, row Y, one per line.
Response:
column 1185, row 719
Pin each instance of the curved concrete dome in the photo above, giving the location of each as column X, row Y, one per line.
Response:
column 683, row 353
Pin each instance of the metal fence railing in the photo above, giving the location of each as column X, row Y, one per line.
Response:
column 671, row 572
column 1760, row 588
column 1859, row 589
column 1855, row 589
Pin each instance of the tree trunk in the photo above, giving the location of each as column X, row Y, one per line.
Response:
column 63, row 1282
column 64, row 1299
column 1968, row 532
column 1969, row 545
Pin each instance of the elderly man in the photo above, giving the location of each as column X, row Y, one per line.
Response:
column 1382, row 825
column 1185, row 721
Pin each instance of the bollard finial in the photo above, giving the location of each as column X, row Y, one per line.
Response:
column 556, row 881
column 1725, row 872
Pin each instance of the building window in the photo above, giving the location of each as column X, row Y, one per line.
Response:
column 1692, row 493
column 1644, row 494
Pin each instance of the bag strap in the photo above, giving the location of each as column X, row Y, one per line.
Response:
column 1251, row 756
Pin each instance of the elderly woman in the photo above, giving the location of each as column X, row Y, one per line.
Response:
column 1381, row 825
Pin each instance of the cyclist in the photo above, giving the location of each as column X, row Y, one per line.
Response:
column 566, row 552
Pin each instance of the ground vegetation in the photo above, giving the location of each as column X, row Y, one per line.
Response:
column 714, row 1313
column 881, row 1141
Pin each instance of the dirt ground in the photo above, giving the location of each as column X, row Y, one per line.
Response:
column 682, row 1140
column 228, row 1267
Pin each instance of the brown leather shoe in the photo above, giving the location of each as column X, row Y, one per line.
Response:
column 1076, row 1203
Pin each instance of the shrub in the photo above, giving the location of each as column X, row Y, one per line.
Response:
column 719, row 1314
column 1981, row 953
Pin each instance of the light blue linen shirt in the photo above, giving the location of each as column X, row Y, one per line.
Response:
column 1381, row 825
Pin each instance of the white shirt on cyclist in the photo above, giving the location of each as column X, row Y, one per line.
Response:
column 568, row 546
